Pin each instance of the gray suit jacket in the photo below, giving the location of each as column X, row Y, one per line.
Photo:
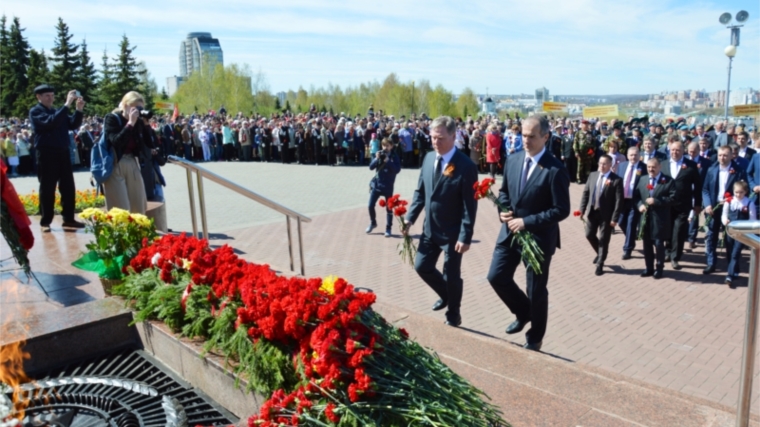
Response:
column 450, row 206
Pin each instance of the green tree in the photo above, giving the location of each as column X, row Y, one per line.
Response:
column 215, row 85
column 64, row 59
column 5, row 106
column 15, row 82
column 277, row 105
column 163, row 96
column 37, row 74
column 125, row 73
column 467, row 103
column 86, row 75
column 287, row 105
column 106, row 97
column 147, row 86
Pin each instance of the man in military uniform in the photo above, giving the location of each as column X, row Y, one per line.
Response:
column 584, row 146
column 568, row 156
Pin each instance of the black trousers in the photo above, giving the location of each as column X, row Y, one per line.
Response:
column 54, row 169
column 654, row 249
column 447, row 284
column 534, row 306
column 598, row 234
column 629, row 223
column 571, row 163
column 680, row 229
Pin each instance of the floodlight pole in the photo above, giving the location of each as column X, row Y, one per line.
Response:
column 728, row 88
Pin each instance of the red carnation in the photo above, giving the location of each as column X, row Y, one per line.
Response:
column 650, row 187
column 382, row 203
column 577, row 213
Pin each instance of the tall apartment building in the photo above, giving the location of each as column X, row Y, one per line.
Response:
column 193, row 51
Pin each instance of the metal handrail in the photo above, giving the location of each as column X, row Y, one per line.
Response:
column 202, row 172
column 746, row 232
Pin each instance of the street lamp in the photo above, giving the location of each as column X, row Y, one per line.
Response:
column 730, row 50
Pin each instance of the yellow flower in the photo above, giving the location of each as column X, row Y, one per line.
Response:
column 118, row 215
column 186, row 264
column 92, row 213
column 141, row 220
column 328, row 285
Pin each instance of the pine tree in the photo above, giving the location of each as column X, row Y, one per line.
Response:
column 164, row 96
column 287, row 106
column 18, row 63
column 85, row 75
column 125, row 69
column 5, row 106
column 147, row 86
column 38, row 73
column 277, row 105
column 65, row 60
column 106, row 98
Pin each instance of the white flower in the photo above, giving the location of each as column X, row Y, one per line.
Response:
column 155, row 259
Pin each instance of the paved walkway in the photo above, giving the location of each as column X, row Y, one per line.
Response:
column 683, row 332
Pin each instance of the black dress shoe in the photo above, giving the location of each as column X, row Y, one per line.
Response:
column 692, row 245
column 709, row 269
column 647, row 273
column 596, row 259
column 440, row 305
column 516, row 326
column 667, row 257
column 45, row 228
column 453, row 320
column 658, row 274
column 730, row 283
column 73, row 224
column 370, row 228
column 534, row 347
column 599, row 270
column 626, row 255
column 675, row 264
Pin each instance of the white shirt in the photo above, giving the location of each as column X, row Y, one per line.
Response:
column 743, row 152
column 722, row 180
column 628, row 192
column 736, row 205
column 445, row 159
column 675, row 166
column 534, row 162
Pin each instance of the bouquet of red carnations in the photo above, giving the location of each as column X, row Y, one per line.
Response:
column 398, row 206
column 531, row 253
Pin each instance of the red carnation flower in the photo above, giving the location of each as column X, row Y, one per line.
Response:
column 650, row 187
column 577, row 213
column 382, row 203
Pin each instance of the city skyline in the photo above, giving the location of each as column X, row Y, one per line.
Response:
column 570, row 47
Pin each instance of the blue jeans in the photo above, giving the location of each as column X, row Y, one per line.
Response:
column 188, row 152
column 374, row 196
column 714, row 227
column 735, row 249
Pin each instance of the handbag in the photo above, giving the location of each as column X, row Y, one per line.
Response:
column 102, row 158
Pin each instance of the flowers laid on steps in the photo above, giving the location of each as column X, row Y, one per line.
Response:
column 119, row 235
column 315, row 346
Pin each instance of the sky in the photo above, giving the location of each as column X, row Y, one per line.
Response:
column 491, row 46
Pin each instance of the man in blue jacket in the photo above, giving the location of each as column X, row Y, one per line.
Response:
column 387, row 165
column 51, row 139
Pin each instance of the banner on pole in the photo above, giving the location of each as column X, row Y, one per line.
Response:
column 554, row 106
column 164, row 105
column 747, row 110
column 600, row 111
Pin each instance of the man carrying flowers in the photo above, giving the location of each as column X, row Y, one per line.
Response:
column 654, row 197
column 445, row 191
column 536, row 191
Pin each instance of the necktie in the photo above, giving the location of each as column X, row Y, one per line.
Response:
column 598, row 191
column 628, row 182
column 526, row 169
column 651, row 183
column 437, row 173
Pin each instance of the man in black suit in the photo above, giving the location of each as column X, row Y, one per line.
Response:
column 631, row 172
column 445, row 191
column 601, row 204
column 719, row 180
column 536, row 191
column 705, row 149
column 654, row 196
column 568, row 155
column 688, row 185
column 703, row 165
column 649, row 151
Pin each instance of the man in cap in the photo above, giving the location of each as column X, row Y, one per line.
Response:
column 584, row 145
column 51, row 139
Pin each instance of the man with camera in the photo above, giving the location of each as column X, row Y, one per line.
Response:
column 387, row 165
column 51, row 139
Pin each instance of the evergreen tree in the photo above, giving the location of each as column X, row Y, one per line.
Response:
column 125, row 74
column 147, row 86
column 16, row 65
column 5, row 106
column 65, row 61
column 164, row 96
column 277, row 105
column 106, row 98
column 38, row 73
column 287, row 105
column 85, row 75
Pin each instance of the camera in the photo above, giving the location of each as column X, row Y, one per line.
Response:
column 383, row 155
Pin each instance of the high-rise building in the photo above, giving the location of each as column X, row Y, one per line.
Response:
column 542, row 94
column 196, row 48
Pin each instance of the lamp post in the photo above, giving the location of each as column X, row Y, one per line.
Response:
column 730, row 52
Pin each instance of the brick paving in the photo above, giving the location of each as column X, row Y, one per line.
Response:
column 683, row 332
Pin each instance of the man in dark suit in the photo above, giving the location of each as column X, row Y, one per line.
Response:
column 719, row 180
column 555, row 142
column 445, row 191
column 706, row 151
column 631, row 172
column 536, row 191
column 654, row 197
column 601, row 204
column 703, row 165
column 568, row 155
column 649, row 151
column 745, row 152
column 688, row 184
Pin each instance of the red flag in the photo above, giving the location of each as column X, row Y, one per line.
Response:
column 175, row 115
